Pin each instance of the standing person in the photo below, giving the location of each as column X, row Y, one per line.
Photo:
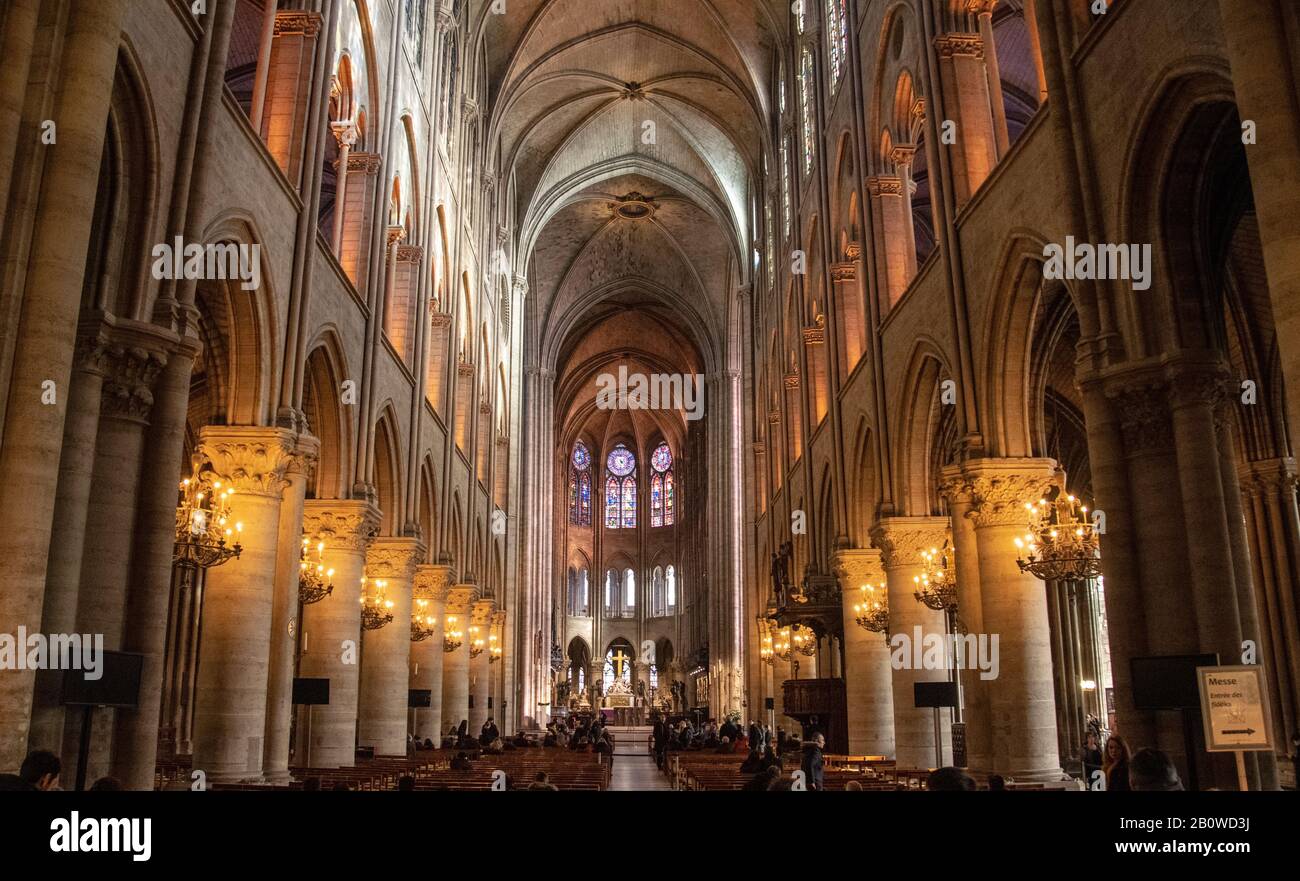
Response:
column 1116, row 764
column 489, row 733
column 660, row 742
column 755, row 733
column 1091, row 758
column 813, row 763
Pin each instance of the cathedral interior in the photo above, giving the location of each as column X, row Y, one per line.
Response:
column 736, row 360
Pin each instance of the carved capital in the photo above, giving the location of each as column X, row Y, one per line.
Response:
column 844, row 272
column 774, row 417
column 295, row 22
column 959, row 44
column 461, row 598
column 254, row 460
column 364, row 163
column 885, row 185
column 432, row 582
column 130, row 372
column 394, row 558
column 856, row 567
column 1268, row 478
column 792, row 380
column 440, row 319
column 481, row 613
column 1143, row 412
column 341, row 523
column 902, row 539
column 1000, row 488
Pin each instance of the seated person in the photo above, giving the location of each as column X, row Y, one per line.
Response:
column 753, row 763
column 724, row 746
column 763, row 780
column 461, row 762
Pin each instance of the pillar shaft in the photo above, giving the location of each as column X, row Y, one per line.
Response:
column 868, row 682
column 230, row 692
column 431, row 583
column 382, row 712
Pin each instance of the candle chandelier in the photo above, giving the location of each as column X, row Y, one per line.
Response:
column 793, row 640
column 422, row 623
column 1062, row 544
column 871, row 612
column 494, row 649
column 452, row 635
column 376, row 608
column 936, row 586
column 204, row 527
column 476, row 642
column 766, row 653
column 314, row 580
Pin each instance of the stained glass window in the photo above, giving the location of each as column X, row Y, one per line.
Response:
column 668, row 499
column 620, row 489
column 611, row 503
column 785, row 186
column 656, row 500
column 621, row 461
column 629, row 503
column 662, row 458
column 798, row 15
column 670, row 578
column 834, row 38
column 580, row 486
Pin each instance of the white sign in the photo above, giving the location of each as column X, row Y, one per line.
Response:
column 1234, row 707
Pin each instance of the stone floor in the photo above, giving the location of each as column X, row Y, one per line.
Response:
column 634, row 765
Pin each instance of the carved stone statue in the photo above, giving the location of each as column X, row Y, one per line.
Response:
column 781, row 572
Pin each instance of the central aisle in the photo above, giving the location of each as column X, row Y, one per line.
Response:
column 634, row 766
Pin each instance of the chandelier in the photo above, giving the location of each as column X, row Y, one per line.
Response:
column 794, row 640
column 376, row 609
column 203, row 526
column 494, row 649
column 314, row 580
column 937, row 583
column 451, row 635
column 766, row 652
column 476, row 642
column 1062, row 544
column 422, row 625
column 872, row 610
column 781, row 647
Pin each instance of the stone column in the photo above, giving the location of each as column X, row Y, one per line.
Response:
column 455, row 666
column 965, row 85
column 284, row 120
column 63, row 578
column 1022, row 706
column 331, row 630
column 481, row 617
column 149, row 594
column 381, row 721
column 868, row 683
column 901, row 541
column 431, row 583
column 46, row 334
column 284, row 615
column 234, row 655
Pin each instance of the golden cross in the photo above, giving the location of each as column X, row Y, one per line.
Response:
column 619, row 658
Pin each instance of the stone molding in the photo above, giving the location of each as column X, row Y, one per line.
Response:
column 999, row 489
column 1268, row 477
column 432, row 582
column 959, row 45
column 856, row 567
column 254, row 460
column 297, row 23
column 341, row 523
column 394, row 558
column 461, row 598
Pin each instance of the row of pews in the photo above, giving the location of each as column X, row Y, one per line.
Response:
column 711, row 771
column 431, row 770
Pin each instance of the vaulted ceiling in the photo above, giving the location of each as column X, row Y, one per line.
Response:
column 633, row 132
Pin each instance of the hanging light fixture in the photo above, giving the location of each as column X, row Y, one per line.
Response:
column 781, row 645
column 494, row 649
column 766, row 652
column 936, row 586
column 1062, row 544
column 871, row 612
column 376, row 608
column 452, row 635
column 314, row 580
column 804, row 640
column 422, row 623
column 204, row 527
column 476, row 642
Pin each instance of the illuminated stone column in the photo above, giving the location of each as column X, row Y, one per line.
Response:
column 455, row 666
column 1021, row 698
column 331, row 630
column 868, row 681
column 386, row 652
column 431, row 583
column 966, row 93
column 234, row 656
column 901, row 541
column 284, row 618
column 480, row 617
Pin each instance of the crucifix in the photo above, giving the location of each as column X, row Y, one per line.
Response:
column 619, row 659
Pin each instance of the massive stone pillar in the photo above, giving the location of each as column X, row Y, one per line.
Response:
column 331, row 630
column 381, row 721
column 901, row 541
column 284, row 615
column 46, row 335
column 481, row 619
column 234, row 655
column 431, row 583
column 965, row 83
column 284, row 122
column 1022, row 704
column 970, row 613
column 455, row 666
column 868, row 684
